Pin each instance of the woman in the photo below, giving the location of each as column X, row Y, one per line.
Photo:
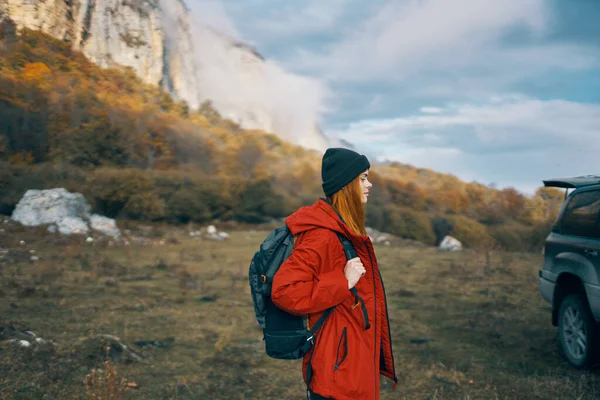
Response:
column 353, row 347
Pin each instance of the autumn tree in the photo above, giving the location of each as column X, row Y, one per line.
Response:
column 534, row 210
column 94, row 142
column 243, row 156
column 512, row 202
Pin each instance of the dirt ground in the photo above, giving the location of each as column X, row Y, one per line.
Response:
column 174, row 316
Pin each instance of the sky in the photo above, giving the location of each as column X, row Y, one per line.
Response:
column 498, row 92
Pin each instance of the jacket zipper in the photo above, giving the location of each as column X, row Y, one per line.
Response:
column 374, row 322
column 344, row 339
column 393, row 371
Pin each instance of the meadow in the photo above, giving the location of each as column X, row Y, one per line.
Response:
column 169, row 316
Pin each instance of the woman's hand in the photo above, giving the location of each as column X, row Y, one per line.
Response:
column 354, row 270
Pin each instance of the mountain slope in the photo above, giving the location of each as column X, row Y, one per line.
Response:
column 164, row 46
column 136, row 153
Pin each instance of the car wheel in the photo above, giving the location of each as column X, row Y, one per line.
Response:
column 577, row 331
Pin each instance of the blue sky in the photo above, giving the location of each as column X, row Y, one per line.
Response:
column 488, row 90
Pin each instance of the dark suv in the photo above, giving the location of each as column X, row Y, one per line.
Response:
column 570, row 279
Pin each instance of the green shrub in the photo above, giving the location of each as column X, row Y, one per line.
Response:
column 15, row 180
column 202, row 196
column 536, row 235
column 375, row 217
column 259, row 203
column 409, row 224
column 123, row 192
column 509, row 237
column 470, row 232
column 10, row 193
column 145, row 205
column 517, row 237
column 188, row 204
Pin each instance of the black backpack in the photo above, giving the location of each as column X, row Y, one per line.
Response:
column 286, row 335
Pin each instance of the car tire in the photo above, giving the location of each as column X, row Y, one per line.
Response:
column 578, row 331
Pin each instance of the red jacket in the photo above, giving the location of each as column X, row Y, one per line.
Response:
column 347, row 359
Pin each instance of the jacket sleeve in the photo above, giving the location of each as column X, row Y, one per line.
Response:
column 306, row 282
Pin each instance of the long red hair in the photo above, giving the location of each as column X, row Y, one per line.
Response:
column 348, row 203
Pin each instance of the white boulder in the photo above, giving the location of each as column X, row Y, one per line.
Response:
column 65, row 212
column 50, row 206
column 105, row 225
column 72, row 225
column 214, row 236
column 450, row 244
column 212, row 233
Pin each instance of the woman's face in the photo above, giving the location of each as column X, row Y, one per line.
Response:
column 365, row 185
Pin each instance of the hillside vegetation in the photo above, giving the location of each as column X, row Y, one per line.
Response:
column 136, row 153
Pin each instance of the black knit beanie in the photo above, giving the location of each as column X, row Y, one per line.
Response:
column 339, row 167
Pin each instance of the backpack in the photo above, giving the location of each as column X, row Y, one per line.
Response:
column 285, row 335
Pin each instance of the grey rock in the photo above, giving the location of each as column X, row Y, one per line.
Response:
column 450, row 243
column 65, row 212
column 105, row 225
column 40, row 207
column 72, row 225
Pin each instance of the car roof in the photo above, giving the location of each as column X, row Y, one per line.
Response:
column 575, row 182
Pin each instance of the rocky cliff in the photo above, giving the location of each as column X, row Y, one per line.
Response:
column 161, row 42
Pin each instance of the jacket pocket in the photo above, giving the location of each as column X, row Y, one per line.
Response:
column 342, row 350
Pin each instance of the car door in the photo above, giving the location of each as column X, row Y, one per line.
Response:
column 580, row 229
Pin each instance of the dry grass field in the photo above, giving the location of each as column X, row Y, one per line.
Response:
column 465, row 325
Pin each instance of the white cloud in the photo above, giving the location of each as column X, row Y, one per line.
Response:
column 430, row 110
column 305, row 18
column 212, row 13
column 277, row 21
column 257, row 93
column 405, row 36
column 446, row 49
column 515, row 141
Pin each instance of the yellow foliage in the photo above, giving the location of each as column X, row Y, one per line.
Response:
column 36, row 71
column 535, row 210
column 200, row 120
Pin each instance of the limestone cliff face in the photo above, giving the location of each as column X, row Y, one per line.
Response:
column 160, row 42
column 124, row 32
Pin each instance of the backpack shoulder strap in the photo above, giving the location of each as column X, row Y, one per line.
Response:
column 348, row 248
column 351, row 253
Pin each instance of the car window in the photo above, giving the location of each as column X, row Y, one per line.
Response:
column 581, row 215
